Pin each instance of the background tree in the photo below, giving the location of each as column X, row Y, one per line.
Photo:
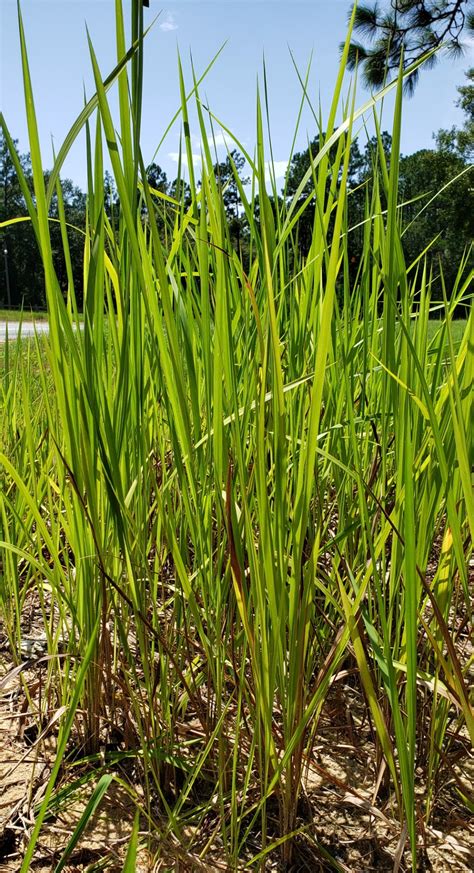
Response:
column 413, row 27
column 226, row 172
column 450, row 215
column 165, row 212
column 360, row 171
column 466, row 103
column 111, row 198
column 75, row 203
column 445, row 220
column 448, row 219
column 461, row 139
column 23, row 261
column 226, row 178
column 179, row 190
column 157, row 178
column 21, row 271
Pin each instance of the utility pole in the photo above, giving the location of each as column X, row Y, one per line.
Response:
column 7, row 274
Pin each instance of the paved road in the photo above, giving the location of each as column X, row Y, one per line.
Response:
column 27, row 329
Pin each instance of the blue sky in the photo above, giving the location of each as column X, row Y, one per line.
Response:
column 60, row 67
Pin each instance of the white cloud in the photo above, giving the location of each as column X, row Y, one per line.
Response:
column 168, row 23
column 219, row 139
column 184, row 159
column 279, row 169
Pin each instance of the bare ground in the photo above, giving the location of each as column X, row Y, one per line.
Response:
column 340, row 811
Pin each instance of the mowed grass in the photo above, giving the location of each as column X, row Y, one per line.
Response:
column 25, row 315
column 241, row 499
column 458, row 327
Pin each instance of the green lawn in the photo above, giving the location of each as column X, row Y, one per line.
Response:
column 458, row 327
column 27, row 315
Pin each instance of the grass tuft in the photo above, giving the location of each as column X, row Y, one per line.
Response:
column 241, row 495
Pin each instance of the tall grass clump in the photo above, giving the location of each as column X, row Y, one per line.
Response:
column 239, row 484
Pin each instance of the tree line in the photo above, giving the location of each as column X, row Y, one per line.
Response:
column 444, row 223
